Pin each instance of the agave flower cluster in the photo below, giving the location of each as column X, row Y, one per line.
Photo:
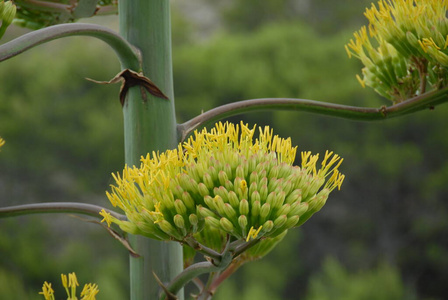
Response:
column 223, row 182
column 70, row 283
column 405, row 53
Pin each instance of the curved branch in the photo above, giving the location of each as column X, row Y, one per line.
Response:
column 45, row 6
column 57, row 207
column 424, row 101
column 189, row 273
column 127, row 54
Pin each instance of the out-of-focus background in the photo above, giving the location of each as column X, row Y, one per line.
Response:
column 383, row 236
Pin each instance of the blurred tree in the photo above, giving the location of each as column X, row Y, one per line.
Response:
column 325, row 16
column 335, row 282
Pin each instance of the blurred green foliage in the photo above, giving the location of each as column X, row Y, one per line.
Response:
column 335, row 282
column 64, row 136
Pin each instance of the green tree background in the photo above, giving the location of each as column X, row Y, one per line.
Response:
column 383, row 236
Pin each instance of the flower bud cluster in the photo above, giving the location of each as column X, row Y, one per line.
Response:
column 224, row 181
column 70, row 283
column 410, row 54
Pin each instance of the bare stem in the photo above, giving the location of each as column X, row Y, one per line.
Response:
column 45, row 6
column 224, row 275
column 127, row 54
column 324, row 108
column 203, row 249
column 57, row 207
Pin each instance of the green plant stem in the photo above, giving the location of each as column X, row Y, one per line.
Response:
column 223, row 276
column 150, row 125
column 190, row 273
column 57, row 207
column 243, row 247
column 127, row 54
column 193, row 243
column 422, row 102
column 45, row 6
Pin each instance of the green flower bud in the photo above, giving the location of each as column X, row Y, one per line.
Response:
column 242, row 222
column 228, row 170
column 229, row 212
column 212, row 222
column 226, row 225
column 222, row 177
column 263, row 192
column 244, row 207
column 264, row 212
column 253, row 178
column 179, row 222
column 267, row 227
column 229, row 186
column 287, row 187
column 255, row 196
column 208, row 181
column 213, row 173
column 203, row 190
column 188, row 201
column 264, row 179
column 252, row 188
column 291, row 222
column 219, row 204
column 169, row 229
column 205, row 212
column 252, row 163
column 280, row 221
column 278, row 200
column 255, row 211
column 240, row 172
column 284, row 210
column 194, row 221
column 233, row 199
column 129, row 227
column 284, row 170
column 180, row 207
column 270, row 198
column 274, row 184
column 188, row 184
column 298, row 208
column 221, row 192
column 295, row 196
column 9, row 12
column 177, row 190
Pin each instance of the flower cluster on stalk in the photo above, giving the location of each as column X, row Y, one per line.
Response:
column 224, row 182
column 70, row 283
column 404, row 50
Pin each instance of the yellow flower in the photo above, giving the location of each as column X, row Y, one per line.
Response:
column 411, row 38
column 227, row 178
column 70, row 283
column 2, row 142
column 47, row 291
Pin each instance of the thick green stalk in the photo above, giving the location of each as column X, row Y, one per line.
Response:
column 150, row 125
